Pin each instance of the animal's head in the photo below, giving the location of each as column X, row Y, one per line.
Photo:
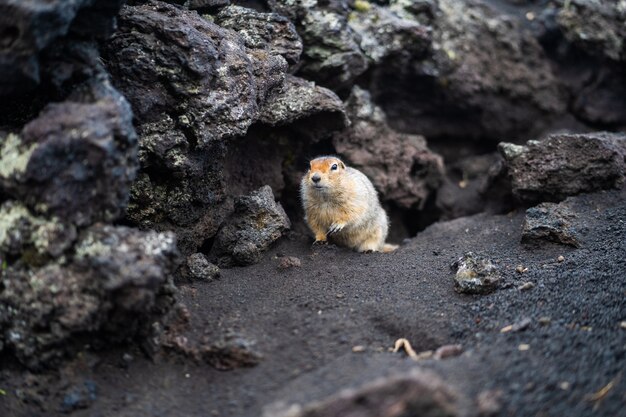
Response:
column 324, row 172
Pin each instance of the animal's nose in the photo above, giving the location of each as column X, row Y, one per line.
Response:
column 316, row 178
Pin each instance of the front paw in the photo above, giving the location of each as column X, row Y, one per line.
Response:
column 320, row 243
column 336, row 227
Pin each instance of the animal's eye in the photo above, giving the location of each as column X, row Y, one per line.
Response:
column 334, row 167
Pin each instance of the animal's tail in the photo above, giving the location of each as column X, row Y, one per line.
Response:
column 388, row 247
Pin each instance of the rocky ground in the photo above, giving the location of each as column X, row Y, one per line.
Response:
column 153, row 254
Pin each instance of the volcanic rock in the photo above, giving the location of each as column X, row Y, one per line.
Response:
column 256, row 223
column 564, row 165
column 550, row 222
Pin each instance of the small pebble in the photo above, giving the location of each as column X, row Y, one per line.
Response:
column 358, row 349
column 526, row 286
column 523, row 347
column 564, row 385
column 520, row 269
column 561, row 258
column 622, row 324
column 287, row 262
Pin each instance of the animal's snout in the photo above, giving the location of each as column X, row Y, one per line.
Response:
column 316, row 178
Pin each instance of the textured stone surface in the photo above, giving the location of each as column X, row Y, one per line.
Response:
column 314, row 110
column 331, row 55
column 28, row 27
column 200, row 268
column 459, row 81
column 269, row 32
column 564, row 165
column 76, row 160
column 475, row 274
column 401, row 166
column 25, row 235
column 109, row 285
column 550, row 222
column 205, row 79
column 255, row 224
column 596, row 26
column 389, row 34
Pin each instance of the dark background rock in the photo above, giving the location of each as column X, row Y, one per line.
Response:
column 564, row 165
column 256, row 223
column 27, row 28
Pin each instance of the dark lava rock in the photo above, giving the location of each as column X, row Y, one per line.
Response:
column 111, row 286
column 200, row 268
column 76, row 160
column 28, row 27
column 550, row 222
column 596, row 27
column 193, row 85
column 172, row 64
column 206, row 4
column 586, row 41
column 270, row 32
column 400, row 165
column 79, row 396
column 331, row 55
column 564, row 165
column 312, row 110
column 387, row 33
column 256, row 223
column 475, row 274
column 415, row 393
column 28, row 236
column 519, row 96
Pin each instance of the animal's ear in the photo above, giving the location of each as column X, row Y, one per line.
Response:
column 342, row 165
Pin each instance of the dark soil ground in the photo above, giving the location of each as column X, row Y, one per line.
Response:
column 306, row 320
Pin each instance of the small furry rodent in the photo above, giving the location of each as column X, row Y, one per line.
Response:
column 341, row 202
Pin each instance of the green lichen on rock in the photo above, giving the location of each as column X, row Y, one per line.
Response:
column 14, row 156
column 596, row 27
column 32, row 237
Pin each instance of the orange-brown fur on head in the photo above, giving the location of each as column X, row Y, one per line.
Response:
column 322, row 168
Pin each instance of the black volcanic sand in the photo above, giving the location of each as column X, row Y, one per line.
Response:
column 306, row 321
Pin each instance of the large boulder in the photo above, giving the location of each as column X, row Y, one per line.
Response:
column 172, row 63
column 265, row 31
column 201, row 89
column 110, row 286
column 595, row 26
column 76, row 160
column 331, row 54
column 563, row 165
column 29, row 27
column 457, row 80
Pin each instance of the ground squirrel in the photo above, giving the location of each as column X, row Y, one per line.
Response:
column 342, row 203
